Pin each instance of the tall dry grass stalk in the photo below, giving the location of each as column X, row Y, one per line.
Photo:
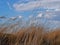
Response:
column 30, row 36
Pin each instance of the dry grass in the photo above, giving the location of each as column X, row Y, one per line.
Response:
column 7, row 39
column 31, row 36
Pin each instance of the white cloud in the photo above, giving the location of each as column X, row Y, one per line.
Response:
column 57, row 9
column 40, row 15
column 27, row 6
column 50, row 4
column 49, row 15
column 50, row 10
column 20, row 16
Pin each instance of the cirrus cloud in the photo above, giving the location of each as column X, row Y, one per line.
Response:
column 52, row 4
column 9, row 5
column 27, row 6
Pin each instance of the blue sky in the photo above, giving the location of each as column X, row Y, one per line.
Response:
column 45, row 9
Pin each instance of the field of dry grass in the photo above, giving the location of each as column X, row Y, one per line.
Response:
column 30, row 36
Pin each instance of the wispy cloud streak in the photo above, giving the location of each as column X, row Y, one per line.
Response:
column 52, row 4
